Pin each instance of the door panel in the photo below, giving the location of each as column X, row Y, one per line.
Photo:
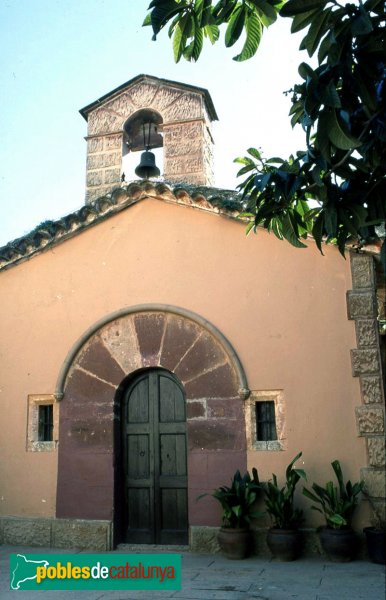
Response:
column 138, row 455
column 155, row 459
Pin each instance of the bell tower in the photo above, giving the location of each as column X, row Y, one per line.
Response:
column 143, row 114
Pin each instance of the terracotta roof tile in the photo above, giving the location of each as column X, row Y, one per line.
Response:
column 50, row 233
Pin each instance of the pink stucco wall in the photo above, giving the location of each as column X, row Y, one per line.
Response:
column 282, row 309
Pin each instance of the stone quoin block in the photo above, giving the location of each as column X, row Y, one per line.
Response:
column 112, row 176
column 94, row 178
column 364, row 361
column 362, row 270
column 95, row 145
column 361, row 304
column 375, row 481
column 377, row 451
column 111, row 142
column 370, row 419
column 107, row 159
column 366, row 330
column 371, row 388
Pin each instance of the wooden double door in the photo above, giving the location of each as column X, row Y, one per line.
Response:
column 155, row 459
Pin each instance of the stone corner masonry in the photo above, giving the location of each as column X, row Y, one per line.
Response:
column 367, row 365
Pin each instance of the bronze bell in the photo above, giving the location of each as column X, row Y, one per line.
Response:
column 147, row 167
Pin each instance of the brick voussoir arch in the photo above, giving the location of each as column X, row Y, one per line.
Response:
column 158, row 335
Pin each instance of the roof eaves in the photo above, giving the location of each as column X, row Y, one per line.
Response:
column 50, row 233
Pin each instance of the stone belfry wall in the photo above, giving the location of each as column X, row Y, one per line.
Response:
column 186, row 112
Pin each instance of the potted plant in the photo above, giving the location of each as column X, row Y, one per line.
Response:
column 284, row 538
column 376, row 535
column 337, row 504
column 237, row 501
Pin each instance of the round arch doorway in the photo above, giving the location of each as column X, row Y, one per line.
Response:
column 154, row 459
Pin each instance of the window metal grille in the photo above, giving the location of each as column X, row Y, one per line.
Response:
column 46, row 423
column 265, row 421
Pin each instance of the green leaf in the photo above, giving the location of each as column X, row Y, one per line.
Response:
column 318, row 28
column 302, row 20
column 249, row 227
column 267, row 12
column 330, row 96
column 223, row 10
column 212, row 32
column 163, row 12
column 255, row 153
column 345, row 219
column 317, row 231
column 367, row 89
column 322, row 141
column 246, row 169
column 295, row 7
column 147, row 20
column 206, row 13
column 339, row 475
column 275, row 160
column 290, row 233
column 193, row 51
column 310, row 495
column 337, row 520
column 338, row 135
column 254, row 32
column 305, row 71
column 331, row 220
column 235, row 25
column 202, row 11
column 325, row 47
column 361, row 25
column 182, row 31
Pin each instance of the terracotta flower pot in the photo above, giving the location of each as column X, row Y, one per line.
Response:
column 234, row 543
column 340, row 545
column 284, row 544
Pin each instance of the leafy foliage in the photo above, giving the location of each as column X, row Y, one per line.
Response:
column 280, row 501
column 340, row 104
column 238, row 499
column 337, row 502
column 191, row 21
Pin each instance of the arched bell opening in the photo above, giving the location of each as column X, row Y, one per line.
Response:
column 142, row 145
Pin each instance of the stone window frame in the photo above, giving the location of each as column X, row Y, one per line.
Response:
column 277, row 397
column 33, row 442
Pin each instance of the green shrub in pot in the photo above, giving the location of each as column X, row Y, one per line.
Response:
column 238, row 509
column 283, row 538
column 337, row 504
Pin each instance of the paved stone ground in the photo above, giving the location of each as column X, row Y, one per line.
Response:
column 212, row 577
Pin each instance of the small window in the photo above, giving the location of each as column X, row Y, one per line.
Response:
column 265, row 421
column 42, row 423
column 46, row 423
